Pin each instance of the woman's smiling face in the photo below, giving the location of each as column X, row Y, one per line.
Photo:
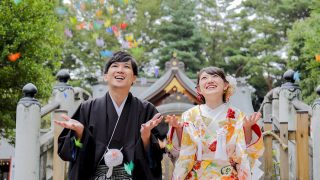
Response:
column 211, row 84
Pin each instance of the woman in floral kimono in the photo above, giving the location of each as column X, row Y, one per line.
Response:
column 216, row 140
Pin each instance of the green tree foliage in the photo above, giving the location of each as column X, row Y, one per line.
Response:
column 85, row 22
column 253, row 41
column 82, row 54
column 304, row 45
column 31, row 29
column 268, row 47
column 147, row 13
column 180, row 34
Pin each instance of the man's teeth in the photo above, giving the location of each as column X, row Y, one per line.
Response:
column 119, row 77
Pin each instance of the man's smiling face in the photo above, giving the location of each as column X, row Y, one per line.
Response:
column 120, row 75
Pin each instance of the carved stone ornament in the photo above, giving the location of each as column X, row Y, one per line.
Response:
column 291, row 94
column 61, row 87
column 288, row 76
column 289, row 88
column 29, row 91
column 63, row 77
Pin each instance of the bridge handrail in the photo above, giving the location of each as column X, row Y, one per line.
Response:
column 46, row 141
column 300, row 105
column 49, row 108
column 267, row 99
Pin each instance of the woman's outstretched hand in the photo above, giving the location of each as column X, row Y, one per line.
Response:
column 172, row 120
column 71, row 124
column 251, row 120
column 248, row 122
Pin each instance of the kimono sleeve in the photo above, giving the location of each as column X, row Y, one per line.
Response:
column 188, row 149
column 155, row 152
column 256, row 148
column 150, row 159
column 173, row 147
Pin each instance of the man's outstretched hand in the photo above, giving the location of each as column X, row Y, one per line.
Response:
column 71, row 124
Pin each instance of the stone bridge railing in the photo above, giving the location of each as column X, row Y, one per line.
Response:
column 35, row 150
column 291, row 133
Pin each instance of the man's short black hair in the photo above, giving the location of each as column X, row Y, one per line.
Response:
column 121, row 56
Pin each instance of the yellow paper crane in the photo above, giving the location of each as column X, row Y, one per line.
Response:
column 110, row 9
column 129, row 37
column 107, row 23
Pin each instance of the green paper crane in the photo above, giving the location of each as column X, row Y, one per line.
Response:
column 129, row 167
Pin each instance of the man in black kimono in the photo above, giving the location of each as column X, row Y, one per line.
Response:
column 119, row 121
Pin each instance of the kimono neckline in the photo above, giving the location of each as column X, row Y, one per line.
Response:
column 209, row 110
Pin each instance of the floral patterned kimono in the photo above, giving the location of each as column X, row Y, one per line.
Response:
column 213, row 145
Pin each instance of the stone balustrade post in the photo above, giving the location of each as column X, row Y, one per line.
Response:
column 27, row 147
column 64, row 93
column 288, row 91
column 287, row 118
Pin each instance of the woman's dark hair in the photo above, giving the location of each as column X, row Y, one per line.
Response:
column 212, row 71
column 121, row 56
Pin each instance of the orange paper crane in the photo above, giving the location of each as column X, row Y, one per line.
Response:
column 318, row 57
column 14, row 57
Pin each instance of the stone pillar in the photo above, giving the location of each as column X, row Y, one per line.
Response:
column 289, row 91
column 64, row 93
column 315, row 134
column 287, row 118
column 27, row 149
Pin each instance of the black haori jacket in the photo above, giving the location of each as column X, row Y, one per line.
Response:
column 99, row 118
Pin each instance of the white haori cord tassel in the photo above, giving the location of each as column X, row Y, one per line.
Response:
column 199, row 152
column 221, row 152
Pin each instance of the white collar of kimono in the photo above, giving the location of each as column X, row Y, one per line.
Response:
column 215, row 113
column 120, row 108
